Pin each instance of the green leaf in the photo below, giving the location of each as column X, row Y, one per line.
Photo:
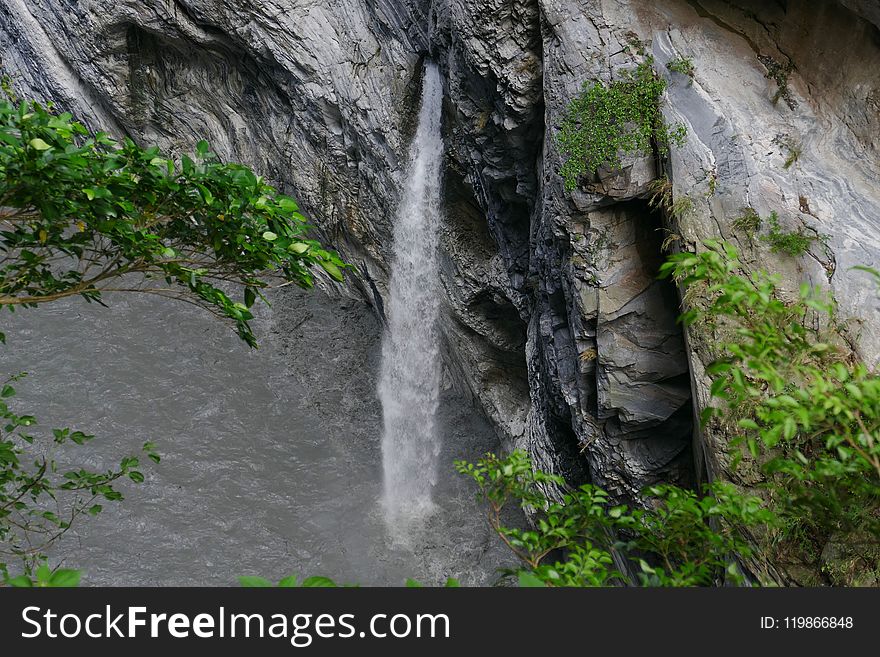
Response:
column 318, row 582
column 21, row 582
column 8, row 391
column 299, row 247
column 413, row 584
column 254, row 582
column 207, row 196
column 43, row 573
column 287, row 204
column 528, row 579
column 331, row 269
column 65, row 578
column 39, row 144
column 288, row 582
column 95, row 509
column 269, row 236
column 249, row 297
column 452, row 583
column 136, row 477
column 646, row 568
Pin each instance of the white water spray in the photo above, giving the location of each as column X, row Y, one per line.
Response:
column 410, row 379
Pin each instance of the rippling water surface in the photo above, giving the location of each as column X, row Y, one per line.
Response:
column 271, row 460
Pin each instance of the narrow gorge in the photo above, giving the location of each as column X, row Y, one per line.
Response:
column 489, row 305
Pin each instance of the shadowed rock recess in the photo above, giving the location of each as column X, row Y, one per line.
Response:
column 552, row 318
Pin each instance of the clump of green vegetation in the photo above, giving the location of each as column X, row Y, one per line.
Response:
column 748, row 222
column 683, row 65
column 605, row 121
column 660, row 193
column 636, row 44
column 794, row 153
column 660, row 196
column 793, row 243
column 795, row 401
column 713, row 183
column 681, row 207
column 779, row 73
column 7, row 89
column 684, row 539
column 289, row 582
column 82, row 211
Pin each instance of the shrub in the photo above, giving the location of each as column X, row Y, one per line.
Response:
column 607, row 120
column 792, row 243
column 682, row 539
column 748, row 222
column 683, row 65
column 796, row 401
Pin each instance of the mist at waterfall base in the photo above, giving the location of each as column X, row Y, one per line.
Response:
column 411, row 367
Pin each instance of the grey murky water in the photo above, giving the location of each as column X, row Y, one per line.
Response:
column 271, row 461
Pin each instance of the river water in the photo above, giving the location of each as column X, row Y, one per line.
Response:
column 271, row 460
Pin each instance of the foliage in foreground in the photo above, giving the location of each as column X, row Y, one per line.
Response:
column 800, row 409
column 83, row 215
column 39, row 500
column 681, row 539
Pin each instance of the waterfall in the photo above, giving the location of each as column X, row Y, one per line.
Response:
column 410, row 376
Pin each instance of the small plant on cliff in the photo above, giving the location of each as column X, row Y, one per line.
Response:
column 779, row 73
column 661, row 196
column 794, row 154
column 748, row 221
column 605, row 121
column 660, row 193
column 792, row 243
column 682, row 207
column 683, row 65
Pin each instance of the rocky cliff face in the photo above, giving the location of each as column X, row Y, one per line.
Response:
column 554, row 319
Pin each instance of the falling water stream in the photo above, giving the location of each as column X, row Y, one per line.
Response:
column 410, row 372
